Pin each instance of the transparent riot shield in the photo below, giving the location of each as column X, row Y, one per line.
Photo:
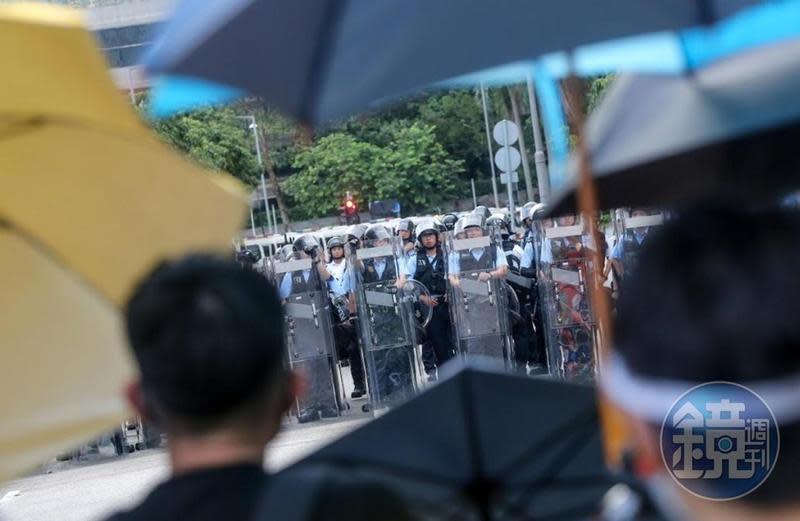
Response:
column 565, row 271
column 478, row 301
column 633, row 234
column 389, row 310
column 309, row 336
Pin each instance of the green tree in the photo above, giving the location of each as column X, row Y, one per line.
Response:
column 336, row 163
column 215, row 138
column 458, row 119
column 413, row 168
column 418, row 171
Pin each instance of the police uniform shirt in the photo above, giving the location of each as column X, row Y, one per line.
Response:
column 477, row 254
column 527, row 260
column 339, row 283
column 286, row 283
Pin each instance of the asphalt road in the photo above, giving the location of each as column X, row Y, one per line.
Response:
column 89, row 490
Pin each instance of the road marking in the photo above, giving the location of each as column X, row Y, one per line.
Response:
column 10, row 494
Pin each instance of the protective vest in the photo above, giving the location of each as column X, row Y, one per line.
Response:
column 428, row 275
column 300, row 284
column 467, row 262
column 371, row 272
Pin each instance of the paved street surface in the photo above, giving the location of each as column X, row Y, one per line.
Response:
column 86, row 491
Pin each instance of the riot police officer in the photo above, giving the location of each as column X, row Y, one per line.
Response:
column 309, row 328
column 405, row 230
column 344, row 331
column 478, row 294
column 526, row 351
column 380, row 271
column 491, row 260
column 427, row 265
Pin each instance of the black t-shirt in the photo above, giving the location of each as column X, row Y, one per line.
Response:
column 214, row 494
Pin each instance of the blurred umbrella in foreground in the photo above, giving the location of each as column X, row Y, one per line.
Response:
column 728, row 131
column 90, row 201
column 482, row 444
column 320, row 60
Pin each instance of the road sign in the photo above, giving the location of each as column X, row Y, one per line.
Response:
column 514, row 178
column 506, row 132
column 507, row 159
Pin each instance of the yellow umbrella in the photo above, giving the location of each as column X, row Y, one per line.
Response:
column 89, row 202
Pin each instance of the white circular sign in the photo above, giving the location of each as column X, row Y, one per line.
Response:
column 506, row 132
column 507, row 159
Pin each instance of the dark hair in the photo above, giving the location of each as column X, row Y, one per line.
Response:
column 714, row 298
column 208, row 337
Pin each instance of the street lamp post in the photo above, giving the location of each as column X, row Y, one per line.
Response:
column 254, row 127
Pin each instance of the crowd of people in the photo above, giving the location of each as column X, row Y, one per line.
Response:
column 404, row 299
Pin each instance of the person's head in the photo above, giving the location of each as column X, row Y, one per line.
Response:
column 498, row 222
column 306, row 246
column 449, row 221
column 405, row 229
column 336, row 248
column 428, row 234
column 377, row 235
column 208, row 339
column 713, row 300
column 484, row 212
column 473, row 225
column 566, row 220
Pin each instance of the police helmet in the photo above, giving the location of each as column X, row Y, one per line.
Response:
column 334, row 242
column 377, row 232
column 246, row 256
column 482, row 211
column 285, row 253
column 537, row 211
column 498, row 221
column 406, row 225
column 450, row 220
column 357, row 231
column 305, row 243
column 458, row 228
column 427, row 226
column 474, row 220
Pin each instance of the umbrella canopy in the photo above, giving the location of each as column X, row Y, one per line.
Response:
column 322, row 60
column 90, row 202
column 494, row 444
column 728, row 131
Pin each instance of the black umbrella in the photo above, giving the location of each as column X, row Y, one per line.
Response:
column 486, row 445
column 319, row 60
column 728, row 131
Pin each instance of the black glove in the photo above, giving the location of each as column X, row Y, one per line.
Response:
column 313, row 253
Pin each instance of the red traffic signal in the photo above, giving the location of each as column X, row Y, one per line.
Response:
column 350, row 206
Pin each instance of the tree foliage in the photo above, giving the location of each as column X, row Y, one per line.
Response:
column 411, row 167
column 216, row 139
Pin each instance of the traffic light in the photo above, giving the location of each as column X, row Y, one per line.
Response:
column 350, row 205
